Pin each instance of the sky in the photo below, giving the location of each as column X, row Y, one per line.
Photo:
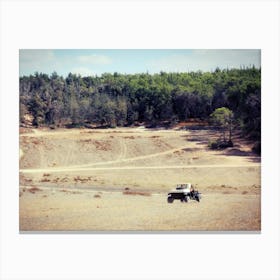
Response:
column 95, row 62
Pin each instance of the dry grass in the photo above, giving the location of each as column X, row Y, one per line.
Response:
column 23, row 130
column 36, row 142
column 45, row 180
column 34, row 189
column 216, row 211
column 70, row 191
column 82, row 180
column 128, row 192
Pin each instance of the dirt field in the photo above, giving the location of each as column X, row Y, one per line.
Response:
column 75, row 179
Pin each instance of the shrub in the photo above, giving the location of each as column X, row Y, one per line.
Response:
column 34, row 189
column 219, row 144
column 213, row 144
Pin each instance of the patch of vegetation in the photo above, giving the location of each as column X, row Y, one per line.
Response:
column 128, row 192
column 34, row 189
column 219, row 144
column 44, row 180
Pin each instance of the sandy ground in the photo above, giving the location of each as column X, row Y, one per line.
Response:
column 74, row 180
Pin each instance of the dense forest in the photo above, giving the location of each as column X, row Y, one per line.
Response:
column 124, row 99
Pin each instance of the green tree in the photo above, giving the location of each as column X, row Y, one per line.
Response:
column 223, row 117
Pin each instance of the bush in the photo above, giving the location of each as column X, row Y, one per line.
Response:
column 219, row 144
column 213, row 144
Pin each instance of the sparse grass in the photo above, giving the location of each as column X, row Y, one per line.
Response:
column 23, row 130
column 65, row 179
column 70, row 191
column 82, row 180
column 27, row 180
column 34, row 189
column 128, row 192
column 45, row 180
column 36, row 142
column 55, row 180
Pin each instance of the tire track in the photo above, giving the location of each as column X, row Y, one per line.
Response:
column 123, row 149
column 122, row 160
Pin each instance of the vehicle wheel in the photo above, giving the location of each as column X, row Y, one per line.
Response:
column 198, row 198
column 170, row 199
column 186, row 199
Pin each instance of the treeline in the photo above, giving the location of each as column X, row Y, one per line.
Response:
column 123, row 99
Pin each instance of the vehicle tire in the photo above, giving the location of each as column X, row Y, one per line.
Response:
column 170, row 199
column 186, row 199
column 197, row 197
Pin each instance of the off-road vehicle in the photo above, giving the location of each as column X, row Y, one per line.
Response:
column 184, row 192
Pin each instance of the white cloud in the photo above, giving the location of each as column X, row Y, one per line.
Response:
column 31, row 56
column 33, row 60
column 206, row 60
column 94, row 59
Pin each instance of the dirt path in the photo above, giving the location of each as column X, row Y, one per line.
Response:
column 122, row 159
column 123, row 150
column 82, row 168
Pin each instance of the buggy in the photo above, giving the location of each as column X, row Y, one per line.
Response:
column 183, row 192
